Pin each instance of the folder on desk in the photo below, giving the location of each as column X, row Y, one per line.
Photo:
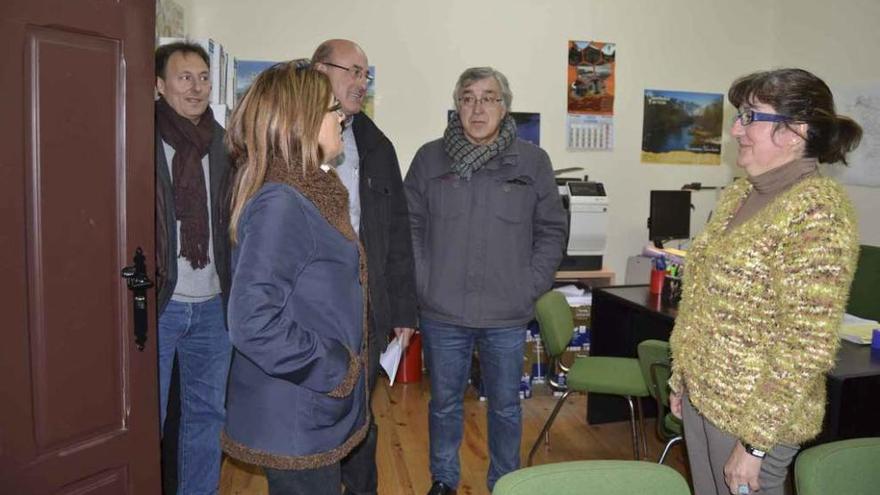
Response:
column 858, row 330
column 676, row 252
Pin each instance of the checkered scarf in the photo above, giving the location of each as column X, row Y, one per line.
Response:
column 467, row 157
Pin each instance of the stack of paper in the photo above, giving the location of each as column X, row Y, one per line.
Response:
column 858, row 330
column 390, row 359
column 575, row 295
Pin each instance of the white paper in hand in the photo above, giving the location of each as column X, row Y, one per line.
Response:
column 390, row 359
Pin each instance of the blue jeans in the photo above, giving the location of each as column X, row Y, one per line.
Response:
column 197, row 333
column 448, row 350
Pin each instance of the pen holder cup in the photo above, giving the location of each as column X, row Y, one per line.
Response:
column 671, row 294
column 656, row 285
column 410, row 368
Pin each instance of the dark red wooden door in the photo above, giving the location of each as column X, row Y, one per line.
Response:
column 79, row 408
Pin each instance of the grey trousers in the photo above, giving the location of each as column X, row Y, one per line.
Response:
column 709, row 448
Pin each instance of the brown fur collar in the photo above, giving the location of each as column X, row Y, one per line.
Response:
column 327, row 193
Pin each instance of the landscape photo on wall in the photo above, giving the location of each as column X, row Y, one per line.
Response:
column 682, row 127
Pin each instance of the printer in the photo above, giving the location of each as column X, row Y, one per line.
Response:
column 586, row 204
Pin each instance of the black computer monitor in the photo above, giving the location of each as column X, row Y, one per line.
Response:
column 670, row 216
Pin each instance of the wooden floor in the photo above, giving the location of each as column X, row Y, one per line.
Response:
column 402, row 453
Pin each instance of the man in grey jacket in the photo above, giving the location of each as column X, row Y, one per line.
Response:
column 488, row 230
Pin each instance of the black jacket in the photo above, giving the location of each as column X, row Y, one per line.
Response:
column 384, row 231
column 166, row 223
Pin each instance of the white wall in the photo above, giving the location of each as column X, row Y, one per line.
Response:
column 838, row 41
column 420, row 47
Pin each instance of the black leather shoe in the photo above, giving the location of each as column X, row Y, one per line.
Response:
column 440, row 488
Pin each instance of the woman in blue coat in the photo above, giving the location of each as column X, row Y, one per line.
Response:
column 297, row 398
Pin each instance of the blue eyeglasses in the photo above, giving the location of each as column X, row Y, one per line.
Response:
column 746, row 117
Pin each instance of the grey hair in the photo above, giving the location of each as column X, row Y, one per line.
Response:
column 474, row 74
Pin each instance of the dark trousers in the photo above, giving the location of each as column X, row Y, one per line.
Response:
column 319, row 481
column 359, row 473
column 355, row 474
column 170, row 433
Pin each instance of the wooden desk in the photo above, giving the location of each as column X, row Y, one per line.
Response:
column 593, row 278
column 626, row 315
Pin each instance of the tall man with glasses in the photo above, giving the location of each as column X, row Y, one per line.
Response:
column 370, row 172
column 488, row 230
column 192, row 260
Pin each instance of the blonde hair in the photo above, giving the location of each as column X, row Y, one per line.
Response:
column 276, row 123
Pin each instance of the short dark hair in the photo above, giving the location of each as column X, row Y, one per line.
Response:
column 805, row 98
column 164, row 52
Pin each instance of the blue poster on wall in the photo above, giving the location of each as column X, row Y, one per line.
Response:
column 245, row 73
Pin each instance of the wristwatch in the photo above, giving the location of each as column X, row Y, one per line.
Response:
column 760, row 454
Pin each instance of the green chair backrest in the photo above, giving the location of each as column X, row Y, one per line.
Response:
column 850, row 467
column 864, row 295
column 555, row 321
column 654, row 361
column 583, row 477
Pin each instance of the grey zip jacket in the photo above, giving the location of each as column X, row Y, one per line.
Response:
column 486, row 248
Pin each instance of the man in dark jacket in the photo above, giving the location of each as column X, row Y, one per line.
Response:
column 378, row 210
column 192, row 248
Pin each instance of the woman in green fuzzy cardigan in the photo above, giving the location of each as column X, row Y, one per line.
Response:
column 765, row 288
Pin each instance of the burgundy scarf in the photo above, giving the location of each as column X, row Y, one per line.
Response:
column 190, row 142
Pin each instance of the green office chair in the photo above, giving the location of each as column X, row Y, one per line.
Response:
column 847, row 467
column 583, row 477
column 654, row 361
column 598, row 374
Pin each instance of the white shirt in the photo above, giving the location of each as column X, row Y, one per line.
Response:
column 348, row 169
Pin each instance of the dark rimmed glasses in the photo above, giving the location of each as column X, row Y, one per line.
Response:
column 486, row 101
column 354, row 71
column 746, row 117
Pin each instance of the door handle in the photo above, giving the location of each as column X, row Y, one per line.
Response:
column 138, row 283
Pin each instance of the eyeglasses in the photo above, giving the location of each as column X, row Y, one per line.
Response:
column 354, row 71
column 486, row 101
column 337, row 107
column 746, row 117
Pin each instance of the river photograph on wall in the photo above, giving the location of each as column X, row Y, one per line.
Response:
column 682, row 127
